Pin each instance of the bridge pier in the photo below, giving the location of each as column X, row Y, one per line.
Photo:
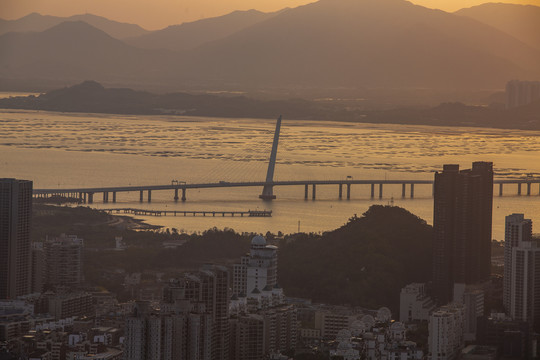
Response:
column 403, row 188
column 380, row 191
column 306, row 192
column 340, row 191
column 105, row 197
column 90, row 197
column 348, row 191
column 175, row 194
column 184, row 194
column 500, row 189
column 149, row 195
column 372, row 190
column 528, row 189
column 314, row 194
column 114, row 196
column 141, row 196
column 519, row 188
column 412, row 191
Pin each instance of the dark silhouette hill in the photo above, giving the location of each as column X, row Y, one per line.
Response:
column 520, row 21
column 74, row 51
column 366, row 262
column 92, row 97
column 35, row 22
column 190, row 35
column 367, row 43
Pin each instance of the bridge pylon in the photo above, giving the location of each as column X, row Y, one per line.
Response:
column 268, row 189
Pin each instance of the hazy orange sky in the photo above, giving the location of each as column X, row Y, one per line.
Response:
column 157, row 14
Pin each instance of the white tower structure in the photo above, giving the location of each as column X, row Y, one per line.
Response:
column 257, row 270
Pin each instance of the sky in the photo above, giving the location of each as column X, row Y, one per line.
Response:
column 157, row 14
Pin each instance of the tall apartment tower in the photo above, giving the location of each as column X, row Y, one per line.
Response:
column 517, row 230
column 210, row 287
column 15, row 247
column 256, row 270
column 462, row 213
column 63, row 260
column 183, row 331
column 521, row 296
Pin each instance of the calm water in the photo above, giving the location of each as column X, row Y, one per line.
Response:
column 78, row 150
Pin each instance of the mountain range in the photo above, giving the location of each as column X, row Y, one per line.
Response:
column 332, row 44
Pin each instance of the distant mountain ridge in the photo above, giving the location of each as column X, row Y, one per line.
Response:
column 350, row 44
column 520, row 21
column 37, row 23
column 190, row 35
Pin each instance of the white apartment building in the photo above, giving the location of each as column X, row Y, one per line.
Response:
column 446, row 326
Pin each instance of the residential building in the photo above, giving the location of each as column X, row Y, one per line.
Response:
column 463, row 201
column 63, row 260
column 517, row 231
column 414, row 303
column 183, row 333
column 15, row 248
column 519, row 93
column 446, row 326
column 256, row 270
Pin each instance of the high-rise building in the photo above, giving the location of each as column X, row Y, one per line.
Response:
column 463, row 202
column 15, row 248
column 256, row 270
column 521, row 296
column 182, row 331
column 517, row 230
column 519, row 93
column 208, row 286
column 38, row 267
column 63, row 260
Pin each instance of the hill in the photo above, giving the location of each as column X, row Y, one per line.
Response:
column 329, row 44
column 520, row 21
column 73, row 50
column 91, row 96
column 366, row 43
column 365, row 263
column 35, row 22
column 193, row 34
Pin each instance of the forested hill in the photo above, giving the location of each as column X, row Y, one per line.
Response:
column 365, row 263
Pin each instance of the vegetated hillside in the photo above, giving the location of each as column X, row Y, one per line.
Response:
column 74, row 50
column 520, row 21
column 190, row 35
column 366, row 43
column 37, row 22
column 366, row 262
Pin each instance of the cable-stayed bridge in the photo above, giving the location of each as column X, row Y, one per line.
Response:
column 179, row 189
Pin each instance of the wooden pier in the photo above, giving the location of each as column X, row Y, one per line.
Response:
column 145, row 212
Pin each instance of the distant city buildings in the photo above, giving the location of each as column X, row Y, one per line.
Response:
column 519, row 93
column 462, row 227
column 15, row 247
